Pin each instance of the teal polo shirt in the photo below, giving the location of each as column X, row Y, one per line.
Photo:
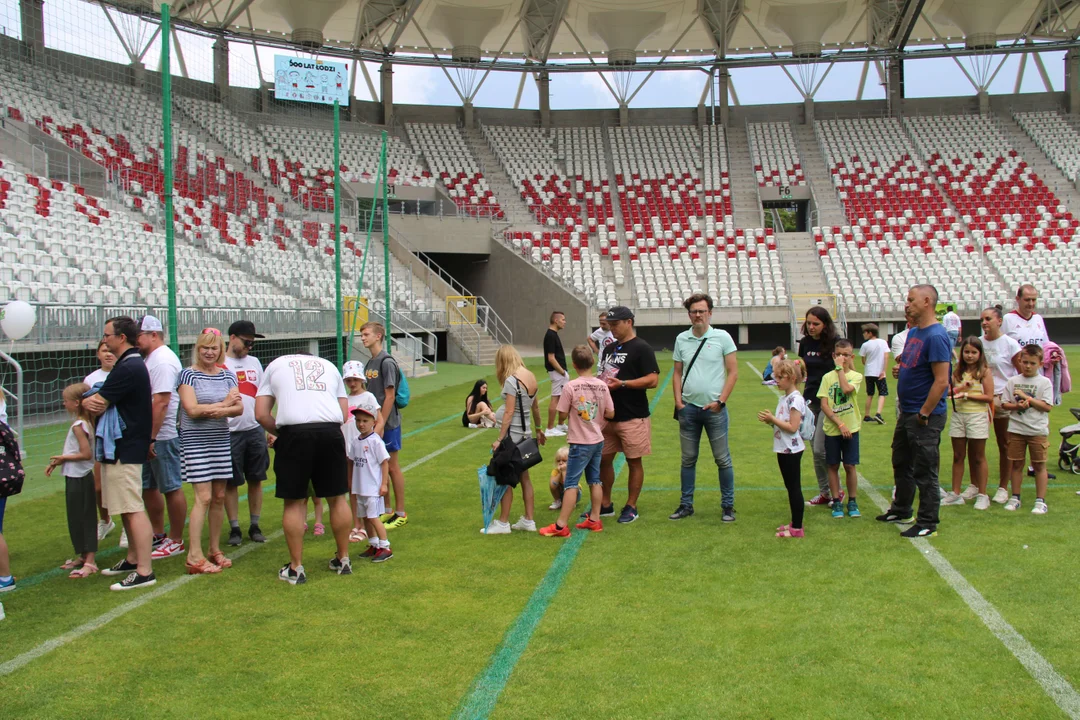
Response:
column 708, row 375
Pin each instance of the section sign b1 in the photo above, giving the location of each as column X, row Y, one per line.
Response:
column 307, row 80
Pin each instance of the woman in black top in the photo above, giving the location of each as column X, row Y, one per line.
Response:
column 478, row 408
column 815, row 351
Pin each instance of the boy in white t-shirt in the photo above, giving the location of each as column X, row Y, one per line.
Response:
column 353, row 375
column 370, row 475
column 875, row 359
column 1029, row 399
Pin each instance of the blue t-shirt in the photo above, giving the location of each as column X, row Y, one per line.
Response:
column 923, row 347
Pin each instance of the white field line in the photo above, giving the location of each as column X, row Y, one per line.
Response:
column 1056, row 686
column 90, row 626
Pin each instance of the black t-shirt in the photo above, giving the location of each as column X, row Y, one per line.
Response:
column 628, row 361
column 553, row 346
column 128, row 389
column 818, row 362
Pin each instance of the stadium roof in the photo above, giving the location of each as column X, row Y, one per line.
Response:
column 565, row 33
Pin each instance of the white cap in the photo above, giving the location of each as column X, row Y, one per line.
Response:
column 149, row 323
column 368, row 406
column 353, row 369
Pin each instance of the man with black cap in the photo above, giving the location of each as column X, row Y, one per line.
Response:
column 628, row 366
column 250, row 456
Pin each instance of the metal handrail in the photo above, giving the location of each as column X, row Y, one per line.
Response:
column 451, row 310
column 416, row 358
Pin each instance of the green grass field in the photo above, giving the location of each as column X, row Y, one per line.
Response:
column 653, row 619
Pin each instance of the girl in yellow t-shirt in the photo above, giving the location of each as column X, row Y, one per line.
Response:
column 972, row 395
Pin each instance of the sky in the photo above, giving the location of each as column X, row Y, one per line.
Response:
column 83, row 28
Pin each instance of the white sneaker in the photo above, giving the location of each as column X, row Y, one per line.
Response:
column 982, row 502
column 1040, row 508
column 104, row 528
column 941, row 492
column 1001, row 496
column 564, row 428
column 123, row 539
column 1013, row 504
column 557, row 505
column 970, row 492
column 555, row 432
column 952, row 498
column 526, row 525
column 496, row 527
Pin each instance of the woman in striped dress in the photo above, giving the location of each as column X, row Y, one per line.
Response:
column 208, row 397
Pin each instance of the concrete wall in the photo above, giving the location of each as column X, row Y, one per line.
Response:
column 445, row 235
column 522, row 296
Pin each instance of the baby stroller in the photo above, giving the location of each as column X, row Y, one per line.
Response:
column 1069, row 452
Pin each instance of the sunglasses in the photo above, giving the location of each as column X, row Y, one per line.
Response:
column 211, row 331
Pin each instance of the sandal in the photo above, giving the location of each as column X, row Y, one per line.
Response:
column 85, row 571
column 219, row 559
column 782, row 528
column 790, row 532
column 357, row 535
column 72, row 564
column 320, row 529
column 202, row 567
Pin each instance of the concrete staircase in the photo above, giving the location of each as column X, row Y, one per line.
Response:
column 479, row 347
column 517, row 212
column 827, row 204
column 801, row 266
column 625, row 293
column 745, row 201
column 1030, row 152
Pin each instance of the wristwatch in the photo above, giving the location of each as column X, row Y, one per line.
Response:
column 924, row 418
column 720, row 405
column 622, row 384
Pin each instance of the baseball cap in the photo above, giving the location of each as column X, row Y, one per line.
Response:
column 149, row 323
column 244, row 327
column 620, row 312
column 352, row 369
column 367, row 406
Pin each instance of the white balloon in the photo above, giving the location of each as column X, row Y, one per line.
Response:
column 17, row 318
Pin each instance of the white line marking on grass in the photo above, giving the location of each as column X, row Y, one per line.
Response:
column 1056, row 686
column 86, row 628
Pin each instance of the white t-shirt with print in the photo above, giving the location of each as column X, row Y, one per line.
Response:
column 787, row 443
column 368, row 454
column 951, row 322
column 873, row 354
column 1026, row 332
column 248, row 371
column 999, row 354
column 307, row 390
column 164, row 369
column 348, row 428
column 1031, row 421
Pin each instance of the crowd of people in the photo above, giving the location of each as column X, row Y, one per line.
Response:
column 142, row 425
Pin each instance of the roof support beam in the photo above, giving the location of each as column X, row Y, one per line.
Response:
column 662, row 59
column 230, row 17
column 593, row 63
column 540, row 21
column 119, row 35
column 905, row 23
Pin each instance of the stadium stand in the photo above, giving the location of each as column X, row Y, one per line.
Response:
column 1055, row 137
column 776, row 155
column 455, row 166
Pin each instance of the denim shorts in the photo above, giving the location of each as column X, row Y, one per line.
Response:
column 839, row 449
column 584, row 459
column 163, row 472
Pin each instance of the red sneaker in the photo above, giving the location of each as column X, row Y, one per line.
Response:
column 382, row 555
column 554, row 530
column 370, row 552
column 588, row 524
column 822, row 499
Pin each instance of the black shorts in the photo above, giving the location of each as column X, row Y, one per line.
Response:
column 310, row 454
column 250, row 456
column 879, row 384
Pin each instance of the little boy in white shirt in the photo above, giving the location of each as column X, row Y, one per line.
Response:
column 370, row 474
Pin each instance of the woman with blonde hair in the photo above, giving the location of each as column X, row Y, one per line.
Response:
column 209, row 395
column 519, row 389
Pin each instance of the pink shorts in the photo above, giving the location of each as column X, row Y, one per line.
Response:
column 633, row 438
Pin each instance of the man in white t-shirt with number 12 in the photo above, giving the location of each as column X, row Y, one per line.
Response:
column 309, row 450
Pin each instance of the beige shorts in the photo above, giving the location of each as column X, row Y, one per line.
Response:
column 1038, row 447
column 973, row 426
column 558, row 382
column 633, row 438
column 1000, row 413
column 121, row 488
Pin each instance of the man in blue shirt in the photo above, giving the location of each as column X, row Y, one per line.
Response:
column 923, row 379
